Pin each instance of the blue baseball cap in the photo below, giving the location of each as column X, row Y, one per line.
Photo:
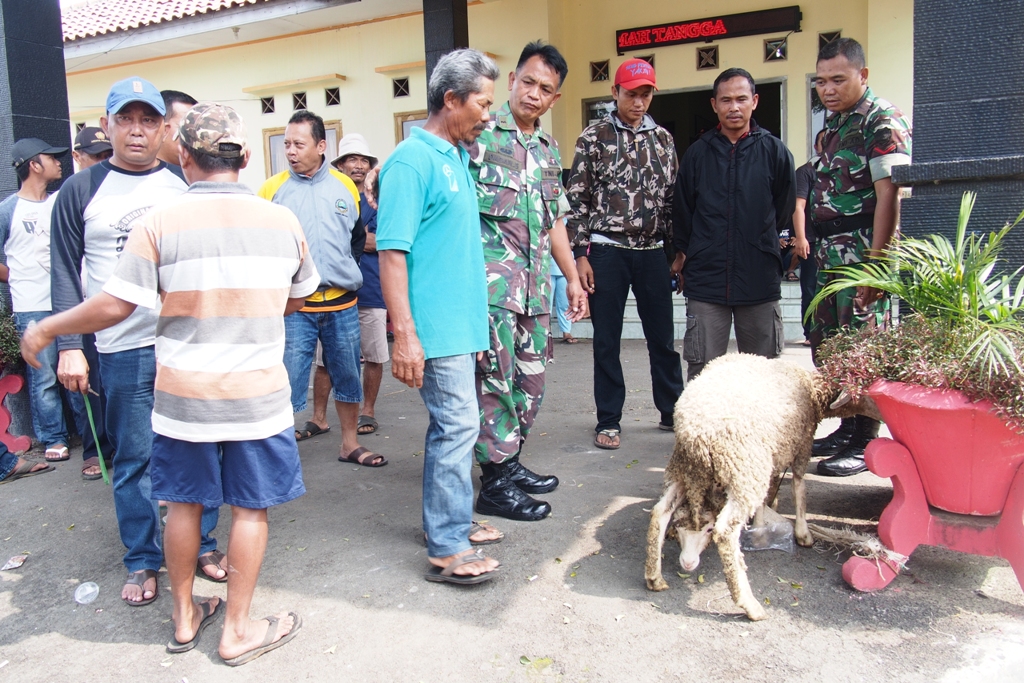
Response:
column 134, row 89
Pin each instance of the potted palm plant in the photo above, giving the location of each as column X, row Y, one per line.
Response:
column 948, row 383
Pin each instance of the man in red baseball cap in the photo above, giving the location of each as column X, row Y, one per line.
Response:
column 620, row 191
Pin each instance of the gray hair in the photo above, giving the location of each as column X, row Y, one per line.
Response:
column 459, row 71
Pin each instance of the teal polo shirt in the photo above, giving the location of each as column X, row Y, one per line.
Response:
column 428, row 209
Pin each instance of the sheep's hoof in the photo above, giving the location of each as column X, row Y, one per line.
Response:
column 657, row 584
column 806, row 540
column 754, row 611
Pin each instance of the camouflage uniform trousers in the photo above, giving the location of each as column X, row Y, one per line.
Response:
column 839, row 310
column 510, row 382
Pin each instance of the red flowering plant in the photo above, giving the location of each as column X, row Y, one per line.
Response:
column 965, row 329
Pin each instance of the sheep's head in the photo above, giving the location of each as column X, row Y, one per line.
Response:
column 847, row 404
column 693, row 541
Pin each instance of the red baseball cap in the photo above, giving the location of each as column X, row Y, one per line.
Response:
column 634, row 73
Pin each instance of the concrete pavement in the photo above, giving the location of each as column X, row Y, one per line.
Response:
column 569, row 604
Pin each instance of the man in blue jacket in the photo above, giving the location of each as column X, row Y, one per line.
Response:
column 735, row 192
column 327, row 204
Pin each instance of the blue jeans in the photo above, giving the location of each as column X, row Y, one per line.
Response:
column 561, row 303
column 7, row 461
column 449, row 392
column 43, row 389
column 338, row 332
column 128, row 378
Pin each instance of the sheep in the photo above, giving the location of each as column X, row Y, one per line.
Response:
column 739, row 426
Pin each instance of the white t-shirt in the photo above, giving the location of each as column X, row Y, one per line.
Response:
column 29, row 281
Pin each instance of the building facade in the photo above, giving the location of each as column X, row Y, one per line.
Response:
column 360, row 65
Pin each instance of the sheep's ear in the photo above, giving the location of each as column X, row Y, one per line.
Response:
column 844, row 398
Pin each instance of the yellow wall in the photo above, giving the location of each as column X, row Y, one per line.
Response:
column 583, row 29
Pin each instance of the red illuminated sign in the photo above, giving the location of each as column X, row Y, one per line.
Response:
column 711, row 28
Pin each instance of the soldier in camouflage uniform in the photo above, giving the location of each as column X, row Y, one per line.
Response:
column 620, row 190
column 855, row 211
column 517, row 169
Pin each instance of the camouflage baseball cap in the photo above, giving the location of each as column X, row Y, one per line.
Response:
column 215, row 129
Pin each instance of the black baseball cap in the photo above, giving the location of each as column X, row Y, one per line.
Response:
column 91, row 140
column 25, row 149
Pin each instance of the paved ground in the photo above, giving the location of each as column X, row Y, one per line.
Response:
column 569, row 605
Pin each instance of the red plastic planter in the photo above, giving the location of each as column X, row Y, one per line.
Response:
column 948, row 455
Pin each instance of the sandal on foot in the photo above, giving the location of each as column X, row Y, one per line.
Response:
column 367, row 421
column 309, row 430
column 447, row 575
column 175, row 646
column 476, row 528
column 211, row 559
column 24, row 470
column 611, row 434
column 56, row 454
column 93, row 462
column 268, row 641
column 139, row 579
column 570, row 340
column 365, row 457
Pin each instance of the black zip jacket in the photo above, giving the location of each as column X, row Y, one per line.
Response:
column 730, row 204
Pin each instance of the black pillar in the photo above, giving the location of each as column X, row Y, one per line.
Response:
column 33, row 87
column 968, row 118
column 33, row 104
column 445, row 28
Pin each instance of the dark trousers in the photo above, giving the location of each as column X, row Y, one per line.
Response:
column 808, row 285
column 615, row 270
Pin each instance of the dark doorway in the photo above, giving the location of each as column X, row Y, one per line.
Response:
column 688, row 115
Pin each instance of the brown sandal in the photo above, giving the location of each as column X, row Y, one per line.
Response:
column 365, row 457
column 139, row 579
column 213, row 558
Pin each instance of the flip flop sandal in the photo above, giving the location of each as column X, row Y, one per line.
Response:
column 447, row 575
column 309, row 430
column 476, row 528
column 59, row 454
column 267, row 645
column 139, row 579
column 93, row 462
column 24, row 470
column 210, row 559
column 367, row 461
column 367, row 421
column 570, row 340
column 611, row 434
column 175, row 647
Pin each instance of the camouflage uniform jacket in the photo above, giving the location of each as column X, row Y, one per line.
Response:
column 519, row 190
column 860, row 147
column 621, row 184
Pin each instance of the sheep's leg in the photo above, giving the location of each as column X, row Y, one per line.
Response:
column 736, row 571
column 800, row 530
column 661, row 516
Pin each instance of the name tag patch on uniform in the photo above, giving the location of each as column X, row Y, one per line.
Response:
column 504, row 158
column 855, row 141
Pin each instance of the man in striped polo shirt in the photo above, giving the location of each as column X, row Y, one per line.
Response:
column 227, row 267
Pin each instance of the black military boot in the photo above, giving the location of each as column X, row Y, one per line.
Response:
column 850, row 460
column 527, row 481
column 837, row 440
column 500, row 497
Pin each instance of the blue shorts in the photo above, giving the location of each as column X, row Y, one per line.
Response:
column 338, row 333
column 247, row 474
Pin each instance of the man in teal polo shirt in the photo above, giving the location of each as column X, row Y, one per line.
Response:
column 432, row 274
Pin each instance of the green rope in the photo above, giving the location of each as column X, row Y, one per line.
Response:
column 96, row 438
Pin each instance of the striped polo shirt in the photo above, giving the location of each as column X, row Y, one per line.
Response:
column 221, row 264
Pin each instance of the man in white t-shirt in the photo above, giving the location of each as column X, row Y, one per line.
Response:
column 24, row 218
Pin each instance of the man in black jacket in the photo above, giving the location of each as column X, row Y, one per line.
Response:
column 735, row 192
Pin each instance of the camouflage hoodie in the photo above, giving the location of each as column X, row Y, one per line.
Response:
column 620, row 184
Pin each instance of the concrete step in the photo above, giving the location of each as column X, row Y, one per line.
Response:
column 632, row 328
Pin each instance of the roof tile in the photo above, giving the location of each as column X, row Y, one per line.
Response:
column 98, row 17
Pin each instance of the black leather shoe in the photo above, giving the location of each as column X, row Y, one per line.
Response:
column 845, row 464
column 835, row 442
column 850, row 460
column 527, row 481
column 501, row 498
